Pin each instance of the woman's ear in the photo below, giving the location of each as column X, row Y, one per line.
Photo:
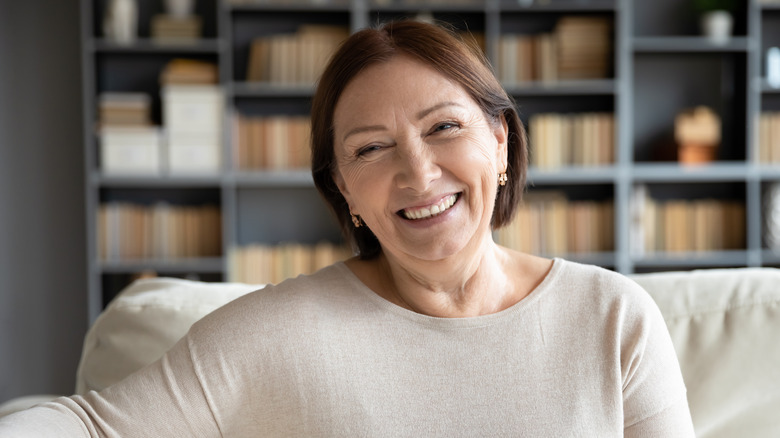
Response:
column 342, row 186
column 501, row 133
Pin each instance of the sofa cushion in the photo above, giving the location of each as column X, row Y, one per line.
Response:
column 725, row 326
column 141, row 323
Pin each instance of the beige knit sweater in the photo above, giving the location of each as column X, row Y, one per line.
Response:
column 586, row 354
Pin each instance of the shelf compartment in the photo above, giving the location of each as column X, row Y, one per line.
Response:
column 714, row 80
column 571, row 221
column 282, row 214
column 669, row 220
column 249, row 25
column 678, row 18
column 205, row 9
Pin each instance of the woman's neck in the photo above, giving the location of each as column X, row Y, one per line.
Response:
column 455, row 287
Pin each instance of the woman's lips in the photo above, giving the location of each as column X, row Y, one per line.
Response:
column 426, row 212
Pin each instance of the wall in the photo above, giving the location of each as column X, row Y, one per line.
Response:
column 42, row 252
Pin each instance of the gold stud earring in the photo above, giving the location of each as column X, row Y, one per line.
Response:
column 502, row 179
column 356, row 220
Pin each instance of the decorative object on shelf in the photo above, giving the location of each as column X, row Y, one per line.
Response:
column 697, row 133
column 716, row 20
column 773, row 67
column 120, row 23
column 772, row 216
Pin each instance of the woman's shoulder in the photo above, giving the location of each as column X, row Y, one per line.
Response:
column 296, row 299
column 598, row 285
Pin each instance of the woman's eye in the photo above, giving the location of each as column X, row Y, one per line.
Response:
column 368, row 149
column 444, row 126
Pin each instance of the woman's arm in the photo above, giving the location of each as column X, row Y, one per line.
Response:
column 164, row 399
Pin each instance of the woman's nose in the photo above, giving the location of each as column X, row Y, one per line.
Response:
column 418, row 167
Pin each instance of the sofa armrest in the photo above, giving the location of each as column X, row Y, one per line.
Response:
column 725, row 326
column 143, row 322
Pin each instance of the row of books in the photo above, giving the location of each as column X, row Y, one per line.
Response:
column 162, row 231
column 548, row 223
column 293, row 59
column 578, row 48
column 275, row 142
column 678, row 225
column 584, row 139
column 264, row 264
column 172, row 29
column 769, row 137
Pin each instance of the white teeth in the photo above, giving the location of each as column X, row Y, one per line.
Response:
column 425, row 212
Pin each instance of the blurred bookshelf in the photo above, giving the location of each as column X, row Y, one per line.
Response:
column 239, row 77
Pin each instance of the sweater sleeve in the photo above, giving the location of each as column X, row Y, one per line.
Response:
column 654, row 395
column 163, row 399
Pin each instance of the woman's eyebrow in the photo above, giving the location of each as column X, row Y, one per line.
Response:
column 420, row 115
column 360, row 129
column 433, row 108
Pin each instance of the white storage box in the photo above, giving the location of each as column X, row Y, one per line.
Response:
column 194, row 154
column 192, row 109
column 127, row 151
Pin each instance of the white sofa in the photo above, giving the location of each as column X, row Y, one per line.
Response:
column 725, row 324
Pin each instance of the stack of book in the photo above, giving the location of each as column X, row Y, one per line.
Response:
column 192, row 115
column 585, row 139
column 679, row 225
column 173, row 29
column 264, row 264
column 577, row 48
column 273, row 142
column 124, row 109
column 129, row 144
column 584, row 47
column 161, row 231
column 293, row 59
column 550, row 224
column 769, row 137
column 189, row 71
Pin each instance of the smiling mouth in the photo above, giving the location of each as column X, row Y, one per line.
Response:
column 427, row 212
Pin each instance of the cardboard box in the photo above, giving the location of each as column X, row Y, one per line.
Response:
column 130, row 151
column 193, row 109
column 194, row 154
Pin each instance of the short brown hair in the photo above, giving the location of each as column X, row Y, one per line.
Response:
column 442, row 50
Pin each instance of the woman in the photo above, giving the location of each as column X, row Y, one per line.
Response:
column 433, row 329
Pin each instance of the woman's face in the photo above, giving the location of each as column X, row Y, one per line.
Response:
column 417, row 159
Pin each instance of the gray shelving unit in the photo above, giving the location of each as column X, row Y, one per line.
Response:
column 660, row 67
